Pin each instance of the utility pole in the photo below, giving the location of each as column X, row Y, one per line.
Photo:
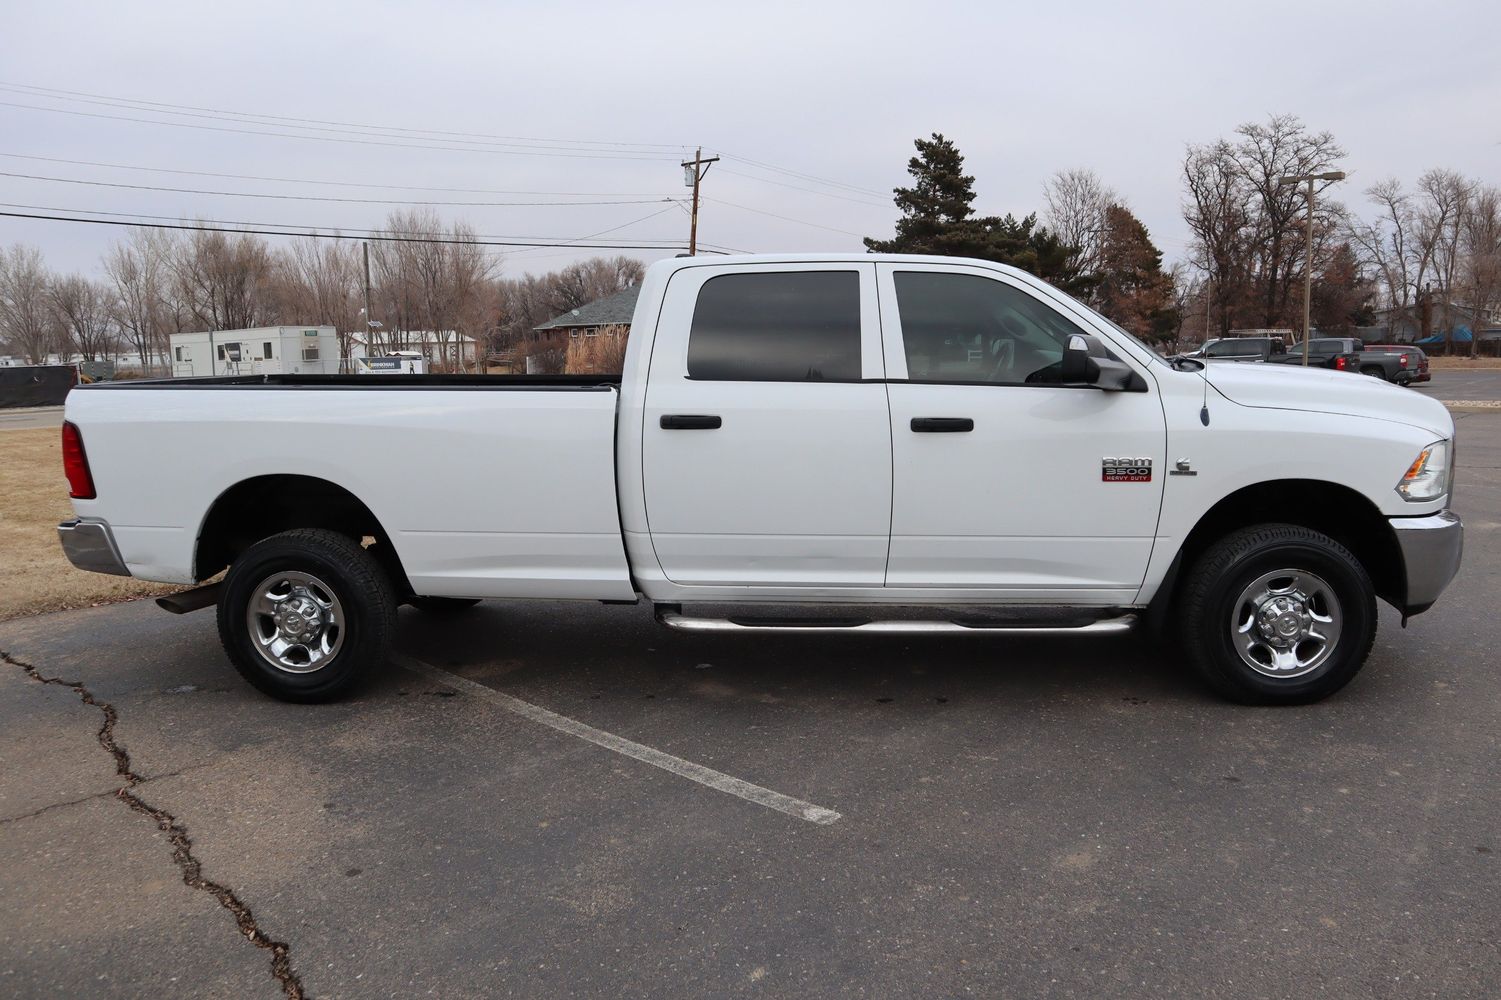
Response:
column 368, row 317
column 693, row 173
column 1333, row 175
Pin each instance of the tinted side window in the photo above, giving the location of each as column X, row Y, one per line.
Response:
column 789, row 326
column 1244, row 347
column 965, row 328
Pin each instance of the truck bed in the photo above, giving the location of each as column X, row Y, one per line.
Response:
column 505, row 489
column 368, row 382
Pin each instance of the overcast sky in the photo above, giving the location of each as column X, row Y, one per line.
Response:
column 833, row 93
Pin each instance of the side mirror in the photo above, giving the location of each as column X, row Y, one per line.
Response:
column 1076, row 360
column 1086, row 362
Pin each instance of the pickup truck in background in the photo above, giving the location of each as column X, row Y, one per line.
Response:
column 854, row 436
column 1340, row 353
column 1399, row 363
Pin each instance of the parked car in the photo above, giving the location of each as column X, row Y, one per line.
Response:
column 1405, row 365
column 830, row 432
column 1338, row 353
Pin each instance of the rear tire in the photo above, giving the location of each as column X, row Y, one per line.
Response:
column 1277, row 614
column 1374, row 372
column 305, row 614
column 442, row 605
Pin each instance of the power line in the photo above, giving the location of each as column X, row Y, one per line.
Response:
column 536, row 145
column 588, row 155
column 854, row 188
column 304, row 180
column 311, row 197
column 616, row 229
column 795, row 187
column 256, row 120
column 45, row 91
column 784, row 218
column 292, row 229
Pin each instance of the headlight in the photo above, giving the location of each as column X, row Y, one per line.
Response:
column 1429, row 475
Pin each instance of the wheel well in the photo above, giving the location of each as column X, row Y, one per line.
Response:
column 267, row 505
column 1337, row 511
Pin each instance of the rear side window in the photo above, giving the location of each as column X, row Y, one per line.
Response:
column 792, row 326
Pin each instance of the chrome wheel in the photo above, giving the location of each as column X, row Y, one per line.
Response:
column 1286, row 623
column 296, row 622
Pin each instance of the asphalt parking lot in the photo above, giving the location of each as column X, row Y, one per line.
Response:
column 1481, row 384
column 1014, row 818
column 29, row 417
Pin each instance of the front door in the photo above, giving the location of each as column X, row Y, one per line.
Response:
column 766, row 445
column 1003, row 481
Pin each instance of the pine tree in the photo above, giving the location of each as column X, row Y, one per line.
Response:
column 1132, row 288
column 937, row 218
column 937, row 202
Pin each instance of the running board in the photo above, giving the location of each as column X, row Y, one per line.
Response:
column 681, row 622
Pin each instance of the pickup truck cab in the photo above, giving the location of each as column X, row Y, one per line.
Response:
column 850, row 435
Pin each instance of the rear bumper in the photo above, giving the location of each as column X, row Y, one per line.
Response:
column 90, row 545
column 1431, row 550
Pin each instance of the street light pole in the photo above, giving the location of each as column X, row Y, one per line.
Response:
column 1333, row 175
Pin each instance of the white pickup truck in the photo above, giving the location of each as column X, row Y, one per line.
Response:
column 852, row 435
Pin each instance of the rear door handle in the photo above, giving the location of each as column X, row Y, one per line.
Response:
column 942, row 425
column 689, row 422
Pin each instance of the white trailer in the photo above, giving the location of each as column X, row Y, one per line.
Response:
column 266, row 350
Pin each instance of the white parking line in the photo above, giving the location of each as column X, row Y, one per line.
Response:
column 682, row 768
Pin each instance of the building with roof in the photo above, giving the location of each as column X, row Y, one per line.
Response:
column 610, row 314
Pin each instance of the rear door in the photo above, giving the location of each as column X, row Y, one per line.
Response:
column 1002, row 481
column 766, row 445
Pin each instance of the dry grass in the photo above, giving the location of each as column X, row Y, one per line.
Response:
column 35, row 576
column 1463, row 364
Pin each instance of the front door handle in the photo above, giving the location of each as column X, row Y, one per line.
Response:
column 689, row 422
column 942, row 425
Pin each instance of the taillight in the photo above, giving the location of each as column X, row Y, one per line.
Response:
column 1339, row 364
column 76, row 464
column 1404, row 361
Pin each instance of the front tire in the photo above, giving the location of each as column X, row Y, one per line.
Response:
column 1277, row 614
column 306, row 613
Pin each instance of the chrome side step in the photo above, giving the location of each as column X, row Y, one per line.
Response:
column 681, row 622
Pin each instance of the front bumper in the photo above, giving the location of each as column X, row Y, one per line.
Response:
column 91, row 546
column 1431, row 549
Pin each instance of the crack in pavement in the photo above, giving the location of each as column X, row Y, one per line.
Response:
column 97, row 795
column 177, row 834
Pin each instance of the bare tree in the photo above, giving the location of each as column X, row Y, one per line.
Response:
column 137, row 268
column 428, row 282
column 1218, row 212
column 1249, row 230
column 1386, row 243
column 223, row 279
column 1076, row 202
column 596, row 278
column 1284, row 147
column 1480, row 274
column 85, row 310
column 1442, row 198
column 27, row 321
column 317, row 281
